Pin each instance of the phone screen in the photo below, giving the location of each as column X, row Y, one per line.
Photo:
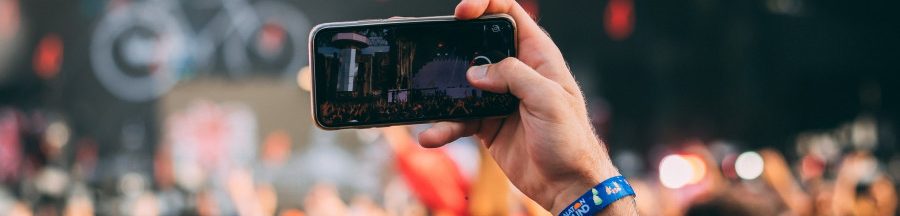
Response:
column 397, row 73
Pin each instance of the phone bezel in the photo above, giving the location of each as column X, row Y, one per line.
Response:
column 372, row 22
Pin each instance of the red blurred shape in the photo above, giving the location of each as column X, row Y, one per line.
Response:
column 10, row 145
column 277, row 148
column 272, row 38
column 430, row 173
column 618, row 19
column 728, row 166
column 530, row 6
column 812, row 167
column 48, row 56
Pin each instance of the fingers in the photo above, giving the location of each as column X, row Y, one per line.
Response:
column 501, row 6
column 535, row 91
column 471, row 9
column 528, row 28
column 442, row 133
column 536, row 48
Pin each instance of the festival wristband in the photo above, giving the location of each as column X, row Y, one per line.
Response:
column 597, row 198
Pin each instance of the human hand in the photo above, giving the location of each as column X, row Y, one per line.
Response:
column 547, row 148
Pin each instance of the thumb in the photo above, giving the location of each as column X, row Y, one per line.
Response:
column 536, row 92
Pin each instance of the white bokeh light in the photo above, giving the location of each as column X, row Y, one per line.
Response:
column 749, row 165
column 675, row 171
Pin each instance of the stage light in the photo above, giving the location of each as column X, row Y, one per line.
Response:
column 698, row 168
column 57, row 134
column 749, row 165
column 618, row 19
column 48, row 56
column 675, row 171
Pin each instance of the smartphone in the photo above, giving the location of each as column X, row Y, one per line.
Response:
column 376, row 73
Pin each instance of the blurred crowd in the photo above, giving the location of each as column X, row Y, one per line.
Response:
column 833, row 173
column 209, row 164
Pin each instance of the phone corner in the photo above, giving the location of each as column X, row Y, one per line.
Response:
column 315, row 30
column 320, row 125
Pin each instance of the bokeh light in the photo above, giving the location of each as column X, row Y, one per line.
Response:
column 48, row 56
column 698, row 168
column 749, row 165
column 619, row 19
column 675, row 171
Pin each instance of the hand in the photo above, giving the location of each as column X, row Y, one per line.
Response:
column 547, row 148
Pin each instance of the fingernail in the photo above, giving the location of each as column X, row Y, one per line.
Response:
column 478, row 72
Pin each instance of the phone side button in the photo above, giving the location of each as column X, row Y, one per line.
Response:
column 370, row 20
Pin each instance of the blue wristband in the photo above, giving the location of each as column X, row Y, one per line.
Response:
column 598, row 197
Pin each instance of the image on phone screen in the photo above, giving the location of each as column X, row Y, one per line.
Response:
column 408, row 72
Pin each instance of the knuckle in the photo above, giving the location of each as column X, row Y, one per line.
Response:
column 507, row 64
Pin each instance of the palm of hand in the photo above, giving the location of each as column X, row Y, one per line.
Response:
column 525, row 146
column 548, row 145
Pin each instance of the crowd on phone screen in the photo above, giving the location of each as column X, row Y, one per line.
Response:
column 436, row 105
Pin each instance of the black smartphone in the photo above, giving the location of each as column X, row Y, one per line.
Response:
column 409, row 70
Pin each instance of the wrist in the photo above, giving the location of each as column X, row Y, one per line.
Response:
column 575, row 189
column 569, row 194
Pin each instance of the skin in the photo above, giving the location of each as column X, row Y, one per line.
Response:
column 547, row 148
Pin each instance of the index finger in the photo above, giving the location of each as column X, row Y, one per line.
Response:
column 537, row 50
column 528, row 29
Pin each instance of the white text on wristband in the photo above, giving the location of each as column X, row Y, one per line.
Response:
column 599, row 197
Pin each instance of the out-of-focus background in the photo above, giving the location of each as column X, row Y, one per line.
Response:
column 167, row 107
